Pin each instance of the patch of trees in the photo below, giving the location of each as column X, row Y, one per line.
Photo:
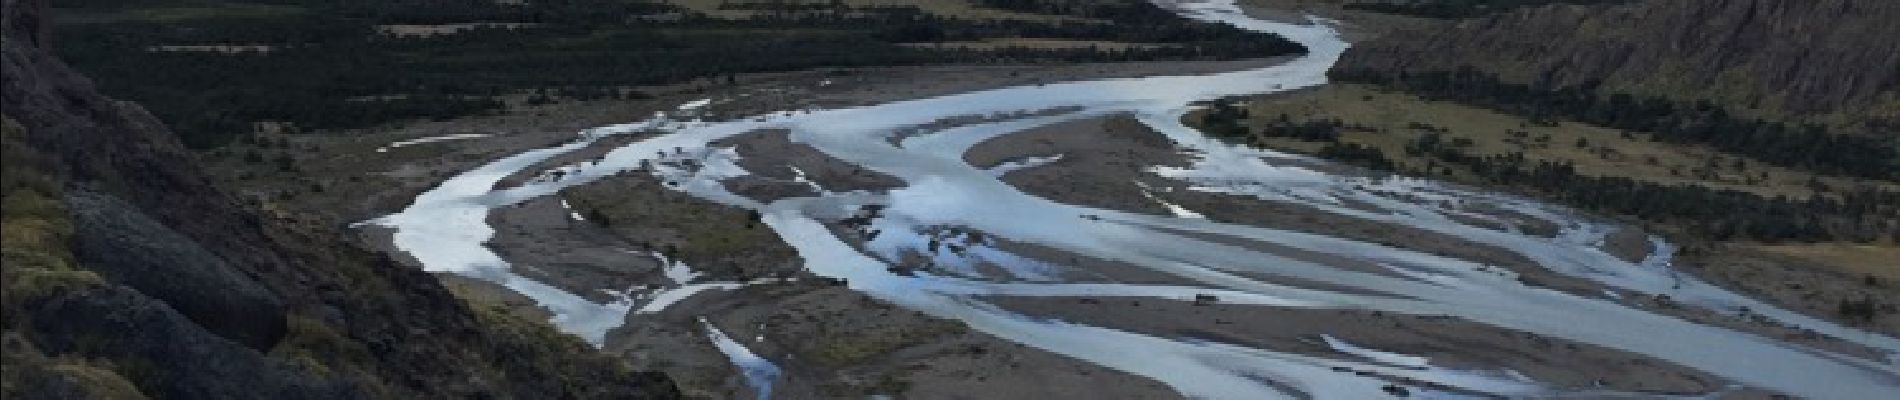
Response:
column 1863, row 310
column 1859, row 215
column 1802, row 146
column 330, row 67
column 1224, row 120
column 1862, row 214
column 1318, row 130
column 1356, row 154
column 1455, row 9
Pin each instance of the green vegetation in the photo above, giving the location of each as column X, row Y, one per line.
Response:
column 25, row 366
column 1805, row 146
column 95, row 378
column 316, row 347
column 723, row 240
column 1863, row 310
column 1859, row 215
column 38, row 264
column 1724, row 198
column 1874, row 263
column 35, row 263
column 33, row 221
column 213, row 76
column 846, row 348
column 536, row 350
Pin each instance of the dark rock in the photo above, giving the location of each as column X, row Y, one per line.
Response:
column 193, row 261
column 172, row 356
column 1205, row 299
column 126, row 247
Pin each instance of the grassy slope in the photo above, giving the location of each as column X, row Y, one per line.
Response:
column 1854, row 259
column 1608, row 153
column 1393, row 113
column 1366, row 105
column 35, row 264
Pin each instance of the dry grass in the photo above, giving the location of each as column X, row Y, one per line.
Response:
column 719, row 240
column 1607, row 152
column 1881, row 261
column 480, row 294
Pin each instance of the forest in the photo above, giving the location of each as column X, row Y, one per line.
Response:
column 1858, row 214
column 1809, row 147
column 321, row 65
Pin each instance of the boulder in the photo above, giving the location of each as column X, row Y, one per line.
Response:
column 126, row 247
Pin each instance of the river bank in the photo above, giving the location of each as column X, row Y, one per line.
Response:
column 361, row 175
column 1815, row 278
column 895, row 277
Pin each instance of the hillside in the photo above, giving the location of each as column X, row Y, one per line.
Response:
column 1833, row 59
column 128, row 274
column 1759, row 134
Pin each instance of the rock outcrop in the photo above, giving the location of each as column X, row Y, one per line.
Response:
column 128, row 274
column 1833, row 58
column 125, row 247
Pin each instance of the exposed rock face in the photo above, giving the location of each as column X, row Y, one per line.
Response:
column 169, row 288
column 113, row 239
column 186, row 361
column 1785, row 57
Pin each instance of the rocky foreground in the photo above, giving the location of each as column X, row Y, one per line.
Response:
column 128, row 274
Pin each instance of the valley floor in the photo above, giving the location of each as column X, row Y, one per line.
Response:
column 686, row 266
column 1815, row 278
column 599, row 240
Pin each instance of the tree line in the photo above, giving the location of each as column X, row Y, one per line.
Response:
column 330, row 67
column 1810, row 147
column 1860, row 214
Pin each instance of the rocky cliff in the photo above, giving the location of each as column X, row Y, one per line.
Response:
column 127, row 274
column 1819, row 58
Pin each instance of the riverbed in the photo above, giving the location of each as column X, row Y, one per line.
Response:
column 944, row 202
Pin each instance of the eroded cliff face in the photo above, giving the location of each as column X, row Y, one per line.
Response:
column 1792, row 58
column 128, row 275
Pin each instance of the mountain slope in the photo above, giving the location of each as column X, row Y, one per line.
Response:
column 129, row 275
column 1834, row 58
